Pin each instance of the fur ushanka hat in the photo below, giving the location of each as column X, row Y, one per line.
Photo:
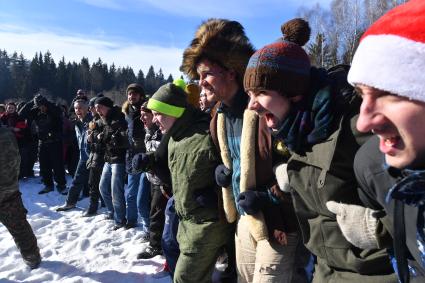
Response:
column 222, row 42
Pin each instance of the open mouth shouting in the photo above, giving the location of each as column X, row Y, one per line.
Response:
column 271, row 120
column 389, row 143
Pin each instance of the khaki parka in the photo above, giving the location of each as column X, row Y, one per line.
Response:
column 192, row 158
column 324, row 172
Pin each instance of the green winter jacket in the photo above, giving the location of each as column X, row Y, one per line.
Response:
column 192, row 159
column 322, row 173
column 9, row 165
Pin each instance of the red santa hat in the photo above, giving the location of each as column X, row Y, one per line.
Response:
column 391, row 53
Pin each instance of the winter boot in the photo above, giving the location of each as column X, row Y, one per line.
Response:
column 47, row 189
column 144, row 237
column 149, row 252
column 92, row 210
column 65, row 207
column 32, row 260
column 62, row 189
column 130, row 225
column 118, row 226
column 89, row 213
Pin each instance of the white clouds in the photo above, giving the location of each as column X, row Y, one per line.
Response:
column 228, row 8
column 207, row 9
column 74, row 47
column 109, row 4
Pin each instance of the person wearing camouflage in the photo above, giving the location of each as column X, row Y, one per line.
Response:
column 12, row 210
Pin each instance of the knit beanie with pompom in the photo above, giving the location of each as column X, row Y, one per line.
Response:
column 282, row 66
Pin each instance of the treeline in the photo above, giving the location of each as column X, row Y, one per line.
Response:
column 20, row 78
column 336, row 30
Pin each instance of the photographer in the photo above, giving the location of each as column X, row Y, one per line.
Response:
column 48, row 123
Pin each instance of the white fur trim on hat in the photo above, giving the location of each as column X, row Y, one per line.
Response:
column 391, row 63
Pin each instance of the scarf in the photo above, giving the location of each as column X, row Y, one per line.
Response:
column 410, row 191
column 309, row 121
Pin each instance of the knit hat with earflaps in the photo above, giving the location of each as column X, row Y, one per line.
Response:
column 391, row 53
column 222, row 42
column 282, row 66
column 170, row 100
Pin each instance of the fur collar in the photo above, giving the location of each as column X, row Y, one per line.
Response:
column 257, row 224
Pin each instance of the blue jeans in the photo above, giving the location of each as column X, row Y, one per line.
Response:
column 81, row 179
column 112, row 190
column 138, row 199
column 170, row 246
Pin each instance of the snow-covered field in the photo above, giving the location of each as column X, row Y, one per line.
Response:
column 75, row 248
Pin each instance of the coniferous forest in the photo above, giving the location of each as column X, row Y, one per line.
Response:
column 21, row 78
column 336, row 32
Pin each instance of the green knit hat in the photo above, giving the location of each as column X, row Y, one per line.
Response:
column 170, row 100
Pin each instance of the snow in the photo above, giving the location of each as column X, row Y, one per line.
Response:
column 75, row 248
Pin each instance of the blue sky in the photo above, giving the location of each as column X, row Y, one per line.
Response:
column 136, row 33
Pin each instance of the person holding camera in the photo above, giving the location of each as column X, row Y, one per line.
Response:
column 48, row 121
column 115, row 141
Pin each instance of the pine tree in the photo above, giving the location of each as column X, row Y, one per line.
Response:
column 150, row 82
column 49, row 72
column 19, row 77
column 84, row 74
column 97, row 76
column 111, row 78
column 61, row 88
column 5, row 77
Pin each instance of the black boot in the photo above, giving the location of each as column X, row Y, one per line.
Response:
column 45, row 190
column 92, row 210
column 65, row 207
column 62, row 189
column 32, row 260
column 149, row 252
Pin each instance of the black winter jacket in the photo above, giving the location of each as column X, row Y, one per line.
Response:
column 48, row 125
column 136, row 133
column 375, row 181
column 114, row 136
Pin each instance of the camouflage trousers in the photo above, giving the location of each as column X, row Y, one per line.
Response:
column 13, row 215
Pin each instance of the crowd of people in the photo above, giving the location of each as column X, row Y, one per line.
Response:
column 266, row 161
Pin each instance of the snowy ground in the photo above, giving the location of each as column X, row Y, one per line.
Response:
column 75, row 248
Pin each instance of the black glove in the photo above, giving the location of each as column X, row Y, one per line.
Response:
column 206, row 198
column 223, row 176
column 252, row 201
column 140, row 162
